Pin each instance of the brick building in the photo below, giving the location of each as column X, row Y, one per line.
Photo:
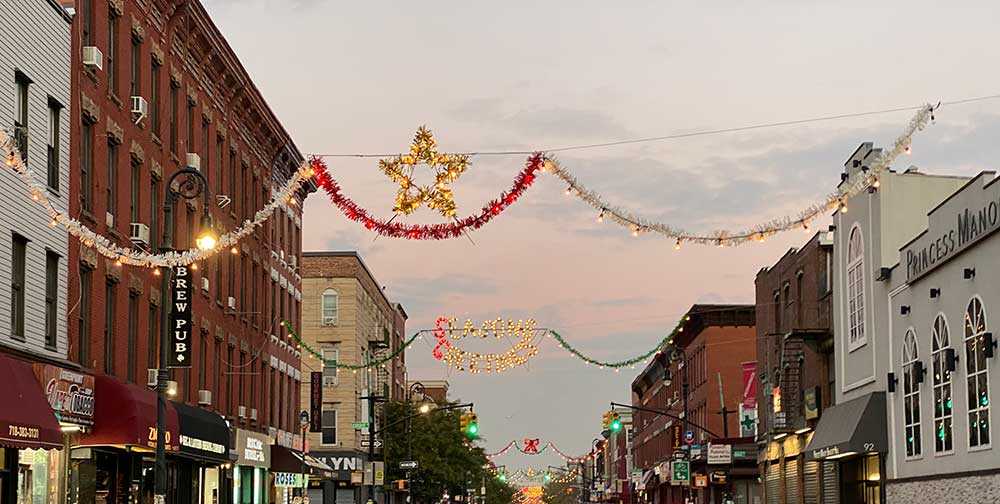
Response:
column 710, row 345
column 348, row 319
column 157, row 87
column 794, row 368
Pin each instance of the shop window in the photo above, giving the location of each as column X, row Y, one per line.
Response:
column 911, row 395
column 942, row 387
column 977, row 378
column 856, row 289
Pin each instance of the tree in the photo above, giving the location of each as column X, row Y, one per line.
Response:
column 561, row 492
column 447, row 461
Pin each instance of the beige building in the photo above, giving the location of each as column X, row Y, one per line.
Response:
column 347, row 317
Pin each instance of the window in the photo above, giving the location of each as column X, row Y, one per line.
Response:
column 799, row 311
column 189, row 228
column 110, row 292
column 243, row 285
column 134, row 192
column 217, row 380
column 942, row 386
column 52, row 148
column 83, row 314
column 21, row 114
column 786, row 303
column 219, row 147
column 231, row 274
column 112, row 50
column 87, row 11
column 330, row 356
column 135, row 58
column 87, row 167
column 240, row 397
column 230, row 399
column 329, row 425
column 777, row 312
column 977, row 379
column 154, row 99
column 856, row 289
column 218, row 277
column 274, row 399
column 253, row 383
column 911, row 395
column 153, row 337
column 19, row 250
column 330, row 308
column 51, row 298
column 232, row 177
column 202, row 362
column 245, row 211
column 254, row 307
column 112, row 177
column 133, row 328
column 173, row 118
column 190, row 125
column 204, row 153
column 154, row 215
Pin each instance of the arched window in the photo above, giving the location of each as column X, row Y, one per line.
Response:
column 977, row 379
column 856, row 289
column 330, row 307
column 942, row 386
column 911, row 395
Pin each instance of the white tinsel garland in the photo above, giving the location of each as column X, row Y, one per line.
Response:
column 637, row 224
column 133, row 257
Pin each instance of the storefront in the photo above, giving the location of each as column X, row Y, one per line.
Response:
column 291, row 473
column 250, row 476
column 114, row 462
column 850, row 440
column 30, row 438
column 203, row 459
column 342, row 487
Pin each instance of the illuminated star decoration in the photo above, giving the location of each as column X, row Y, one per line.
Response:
column 447, row 168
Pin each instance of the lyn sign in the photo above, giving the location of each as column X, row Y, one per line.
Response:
column 180, row 317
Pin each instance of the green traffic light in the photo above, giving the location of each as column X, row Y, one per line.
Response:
column 548, row 476
column 473, row 430
column 616, row 426
column 503, row 476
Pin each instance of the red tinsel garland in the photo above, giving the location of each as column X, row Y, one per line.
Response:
column 441, row 231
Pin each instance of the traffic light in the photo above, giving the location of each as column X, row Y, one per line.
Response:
column 469, row 425
column 606, row 421
column 463, row 423
column 616, row 422
column 503, row 476
column 548, row 476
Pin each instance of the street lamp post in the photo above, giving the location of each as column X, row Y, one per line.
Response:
column 190, row 187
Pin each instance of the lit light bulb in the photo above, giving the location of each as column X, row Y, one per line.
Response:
column 118, row 263
column 569, row 190
column 194, row 266
column 34, row 196
column 876, row 184
column 677, row 246
column 52, row 222
column 908, row 150
column 843, row 208
column 156, row 272
column 234, row 250
column 635, row 232
column 805, row 226
column 600, row 218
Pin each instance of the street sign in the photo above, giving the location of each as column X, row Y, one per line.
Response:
column 359, row 425
column 720, row 453
column 700, row 481
column 365, row 443
column 304, row 418
column 379, row 473
column 689, row 437
column 408, row 464
column 680, row 472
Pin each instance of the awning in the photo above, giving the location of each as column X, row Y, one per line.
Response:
column 288, row 460
column 26, row 419
column 204, row 435
column 856, row 426
column 647, row 476
column 126, row 416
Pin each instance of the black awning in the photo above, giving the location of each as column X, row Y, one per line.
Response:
column 856, row 426
column 291, row 461
column 204, row 435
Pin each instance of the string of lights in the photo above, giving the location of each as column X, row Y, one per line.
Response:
column 550, row 444
column 353, row 367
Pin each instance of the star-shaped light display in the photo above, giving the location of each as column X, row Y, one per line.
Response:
column 447, row 168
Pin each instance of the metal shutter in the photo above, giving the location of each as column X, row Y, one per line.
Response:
column 831, row 483
column 811, row 482
column 792, row 489
column 772, row 485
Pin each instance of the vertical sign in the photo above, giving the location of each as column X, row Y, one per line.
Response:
column 316, row 401
column 749, row 384
column 675, row 435
column 180, row 318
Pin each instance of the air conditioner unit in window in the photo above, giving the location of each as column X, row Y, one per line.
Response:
column 329, row 320
column 138, row 233
column 193, row 160
column 231, row 303
column 293, row 261
column 151, row 378
column 204, row 284
column 93, row 58
column 140, row 107
column 253, row 414
column 243, row 412
column 109, row 219
column 205, row 397
column 329, row 381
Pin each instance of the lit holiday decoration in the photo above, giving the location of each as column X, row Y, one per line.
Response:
column 530, row 445
column 440, row 231
column 134, row 257
column 354, row 367
column 476, row 363
column 527, row 450
column 447, row 168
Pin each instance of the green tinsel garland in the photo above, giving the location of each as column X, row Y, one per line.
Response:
column 333, row 363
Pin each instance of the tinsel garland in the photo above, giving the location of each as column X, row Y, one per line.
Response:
column 354, row 367
column 759, row 232
column 550, row 444
column 427, row 231
column 134, row 257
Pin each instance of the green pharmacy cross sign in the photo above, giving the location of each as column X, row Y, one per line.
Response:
column 747, row 422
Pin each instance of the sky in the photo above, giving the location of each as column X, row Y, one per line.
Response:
column 360, row 77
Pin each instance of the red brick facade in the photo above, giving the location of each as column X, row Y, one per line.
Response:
column 201, row 100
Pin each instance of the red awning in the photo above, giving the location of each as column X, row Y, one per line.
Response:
column 125, row 415
column 26, row 420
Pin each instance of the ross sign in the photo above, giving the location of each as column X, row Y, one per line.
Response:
column 408, row 464
column 252, row 449
column 680, row 472
column 748, row 421
column 689, row 437
column 813, row 403
column 316, row 401
column 700, row 481
column 180, row 318
column 359, row 425
column 720, row 453
column 70, row 394
column 288, row 480
column 749, row 384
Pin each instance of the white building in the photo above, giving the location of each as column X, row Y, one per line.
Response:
column 35, row 108
column 867, row 238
